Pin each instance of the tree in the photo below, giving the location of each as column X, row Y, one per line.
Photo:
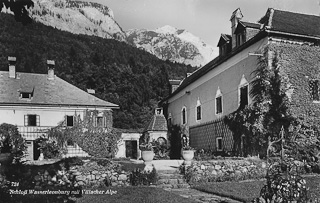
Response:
column 18, row 7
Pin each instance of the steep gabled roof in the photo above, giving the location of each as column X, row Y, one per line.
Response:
column 157, row 123
column 45, row 92
column 243, row 25
column 224, row 38
column 294, row 23
column 273, row 21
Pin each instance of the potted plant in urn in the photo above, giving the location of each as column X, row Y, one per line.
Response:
column 187, row 154
column 147, row 153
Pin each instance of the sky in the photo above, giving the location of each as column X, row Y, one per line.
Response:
column 206, row 19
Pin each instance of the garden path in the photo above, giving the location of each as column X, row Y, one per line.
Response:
column 202, row 197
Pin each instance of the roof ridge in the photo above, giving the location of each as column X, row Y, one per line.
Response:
column 296, row 12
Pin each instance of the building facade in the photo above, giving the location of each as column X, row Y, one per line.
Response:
column 222, row 86
column 38, row 102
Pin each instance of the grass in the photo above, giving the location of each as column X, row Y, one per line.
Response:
column 135, row 194
column 247, row 191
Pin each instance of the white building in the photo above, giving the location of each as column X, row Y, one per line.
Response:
column 37, row 102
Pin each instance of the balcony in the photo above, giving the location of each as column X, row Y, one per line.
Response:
column 33, row 132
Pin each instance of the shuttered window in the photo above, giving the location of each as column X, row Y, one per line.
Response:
column 32, row 120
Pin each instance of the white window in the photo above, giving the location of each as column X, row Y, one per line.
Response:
column 219, row 144
column 198, row 110
column 100, row 121
column 218, row 102
column 243, row 92
column 31, row 120
column 184, row 115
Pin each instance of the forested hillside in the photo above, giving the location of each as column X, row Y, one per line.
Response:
column 122, row 74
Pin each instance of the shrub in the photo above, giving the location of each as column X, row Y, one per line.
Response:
column 12, row 142
column 284, row 184
column 49, row 148
column 141, row 177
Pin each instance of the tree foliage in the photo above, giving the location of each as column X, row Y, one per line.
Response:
column 12, row 142
column 267, row 113
column 119, row 73
column 19, row 8
column 97, row 141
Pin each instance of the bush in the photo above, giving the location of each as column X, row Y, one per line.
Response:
column 284, row 184
column 12, row 142
column 49, row 148
column 141, row 177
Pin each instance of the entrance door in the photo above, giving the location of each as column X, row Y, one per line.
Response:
column 29, row 150
column 131, row 149
column 36, row 150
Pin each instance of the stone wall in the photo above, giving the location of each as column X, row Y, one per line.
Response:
column 89, row 175
column 225, row 170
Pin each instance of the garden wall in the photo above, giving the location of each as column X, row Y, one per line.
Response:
column 225, row 170
column 90, row 174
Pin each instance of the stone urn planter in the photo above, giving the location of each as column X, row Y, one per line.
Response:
column 187, row 155
column 147, row 156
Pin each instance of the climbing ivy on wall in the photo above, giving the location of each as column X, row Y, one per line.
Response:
column 97, row 141
column 281, row 97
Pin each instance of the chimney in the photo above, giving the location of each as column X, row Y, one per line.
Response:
column 50, row 64
column 12, row 66
column 235, row 18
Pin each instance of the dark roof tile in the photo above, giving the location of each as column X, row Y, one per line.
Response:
column 55, row 92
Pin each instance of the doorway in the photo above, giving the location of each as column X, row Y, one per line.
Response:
column 131, row 149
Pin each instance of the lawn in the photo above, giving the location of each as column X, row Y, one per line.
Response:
column 135, row 194
column 248, row 190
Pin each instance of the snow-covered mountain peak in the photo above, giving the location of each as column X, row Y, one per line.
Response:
column 167, row 29
column 170, row 43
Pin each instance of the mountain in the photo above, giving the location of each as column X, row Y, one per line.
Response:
column 78, row 17
column 118, row 72
column 169, row 43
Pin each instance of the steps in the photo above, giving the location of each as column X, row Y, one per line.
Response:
column 169, row 179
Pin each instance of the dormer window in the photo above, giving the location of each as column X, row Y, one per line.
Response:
column 25, row 95
column 241, row 38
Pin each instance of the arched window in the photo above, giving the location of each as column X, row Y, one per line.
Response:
column 218, row 103
column 184, row 115
column 198, row 110
column 243, row 92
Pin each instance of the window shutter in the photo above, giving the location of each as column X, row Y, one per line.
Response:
column 94, row 121
column 25, row 120
column 104, row 122
column 38, row 120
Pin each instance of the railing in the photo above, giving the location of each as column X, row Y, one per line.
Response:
column 33, row 132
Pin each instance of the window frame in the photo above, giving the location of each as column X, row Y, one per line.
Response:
column 247, row 94
column 217, row 144
column 198, row 110
column 96, row 123
column 27, row 120
column 218, row 95
column 67, row 119
column 243, row 83
column 184, row 119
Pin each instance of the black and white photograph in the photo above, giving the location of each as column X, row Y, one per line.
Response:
column 160, row 101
